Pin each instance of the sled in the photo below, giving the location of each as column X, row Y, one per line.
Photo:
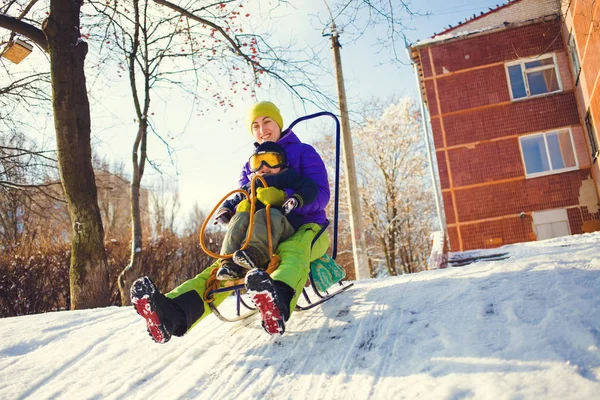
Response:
column 321, row 292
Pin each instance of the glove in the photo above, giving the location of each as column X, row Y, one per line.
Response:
column 223, row 216
column 270, row 195
column 244, row 206
column 289, row 205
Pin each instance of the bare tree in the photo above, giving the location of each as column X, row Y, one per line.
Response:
column 28, row 181
column 325, row 145
column 193, row 222
column 392, row 168
column 23, row 94
column 164, row 205
column 60, row 37
column 113, row 199
column 356, row 17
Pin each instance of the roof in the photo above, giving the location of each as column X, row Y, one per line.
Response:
column 476, row 18
column 513, row 13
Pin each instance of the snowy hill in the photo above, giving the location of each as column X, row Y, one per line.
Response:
column 526, row 327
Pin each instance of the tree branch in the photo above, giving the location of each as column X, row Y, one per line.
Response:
column 25, row 29
column 255, row 65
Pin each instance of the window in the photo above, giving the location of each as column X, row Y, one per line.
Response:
column 548, row 153
column 574, row 57
column 589, row 127
column 533, row 77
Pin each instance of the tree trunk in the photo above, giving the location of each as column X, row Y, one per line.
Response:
column 388, row 257
column 132, row 271
column 89, row 268
column 372, row 273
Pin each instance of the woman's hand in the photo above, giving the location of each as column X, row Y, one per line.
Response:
column 289, row 205
column 270, row 195
column 223, row 216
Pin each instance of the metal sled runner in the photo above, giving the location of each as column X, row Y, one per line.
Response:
column 318, row 296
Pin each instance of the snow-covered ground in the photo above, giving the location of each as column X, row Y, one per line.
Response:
column 525, row 327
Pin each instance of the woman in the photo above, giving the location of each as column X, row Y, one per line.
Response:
column 275, row 296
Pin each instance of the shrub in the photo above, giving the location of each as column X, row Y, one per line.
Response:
column 35, row 281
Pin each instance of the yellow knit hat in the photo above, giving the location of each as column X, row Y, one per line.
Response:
column 264, row 109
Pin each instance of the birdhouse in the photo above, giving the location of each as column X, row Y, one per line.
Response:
column 17, row 51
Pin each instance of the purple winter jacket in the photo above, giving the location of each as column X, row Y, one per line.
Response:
column 308, row 163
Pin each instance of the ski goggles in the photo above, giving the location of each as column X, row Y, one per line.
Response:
column 270, row 159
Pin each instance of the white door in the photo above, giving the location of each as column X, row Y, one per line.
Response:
column 552, row 230
column 551, row 224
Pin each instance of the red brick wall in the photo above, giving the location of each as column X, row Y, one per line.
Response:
column 453, row 238
column 425, row 61
column 442, row 169
column 436, row 128
column 575, row 220
column 502, row 199
column 595, row 108
column 480, row 87
column 584, row 31
column 519, row 117
column 579, row 215
column 509, row 230
column 588, row 216
column 582, row 21
column 592, row 70
column 448, row 207
column 509, row 44
column 487, row 161
column 431, row 99
column 587, row 33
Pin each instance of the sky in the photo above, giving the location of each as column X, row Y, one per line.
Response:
column 209, row 149
column 522, row 326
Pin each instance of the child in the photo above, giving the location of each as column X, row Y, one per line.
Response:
column 268, row 161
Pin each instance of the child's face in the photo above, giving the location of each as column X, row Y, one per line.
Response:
column 265, row 169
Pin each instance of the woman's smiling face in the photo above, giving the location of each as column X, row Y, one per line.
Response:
column 265, row 129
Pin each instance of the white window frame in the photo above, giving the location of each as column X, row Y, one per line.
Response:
column 522, row 62
column 551, row 171
column 574, row 55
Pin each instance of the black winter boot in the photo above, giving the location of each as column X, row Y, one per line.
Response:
column 230, row 271
column 250, row 258
column 285, row 294
column 163, row 316
column 274, row 310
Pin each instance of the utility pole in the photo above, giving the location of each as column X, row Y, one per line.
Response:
column 359, row 248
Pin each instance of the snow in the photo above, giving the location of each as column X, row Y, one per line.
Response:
column 526, row 326
column 453, row 35
column 437, row 258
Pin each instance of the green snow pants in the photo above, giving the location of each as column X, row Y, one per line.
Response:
column 295, row 254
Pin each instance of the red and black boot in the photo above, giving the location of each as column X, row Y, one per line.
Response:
column 159, row 311
column 274, row 309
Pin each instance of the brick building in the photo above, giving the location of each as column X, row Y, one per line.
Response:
column 581, row 33
column 514, row 157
